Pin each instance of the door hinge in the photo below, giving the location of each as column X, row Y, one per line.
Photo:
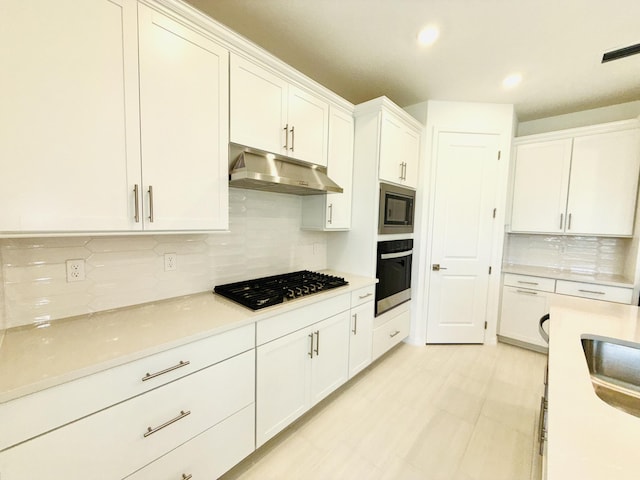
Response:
column 485, row 325
column 499, row 154
column 489, row 270
column 494, row 212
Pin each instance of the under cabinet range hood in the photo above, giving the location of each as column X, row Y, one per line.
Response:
column 259, row 170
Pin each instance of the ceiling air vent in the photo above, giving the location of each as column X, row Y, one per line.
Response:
column 621, row 53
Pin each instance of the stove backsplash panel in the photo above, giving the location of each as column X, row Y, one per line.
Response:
column 264, row 238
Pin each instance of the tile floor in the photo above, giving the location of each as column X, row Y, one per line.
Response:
column 440, row 412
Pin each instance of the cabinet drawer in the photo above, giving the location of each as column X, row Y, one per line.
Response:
column 597, row 292
column 112, row 443
column 56, row 406
column 391, row 333
column 363, row 295
column 280, row 325
column 208, row 455
column 531, row 282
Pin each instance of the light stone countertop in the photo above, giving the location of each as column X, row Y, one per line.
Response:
column 33, row 358
column 587, row 438
column 599, row 279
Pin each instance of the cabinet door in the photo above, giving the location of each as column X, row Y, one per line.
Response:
column 283, row 383
column 329, row 368
column 521, row 312
column 258, row 106
column 69, row 148
column 540, row 186
column 340, row 169
column 392, row 132
column 184, row 109
column 604, row 183
column 360, row 338
column 411, row 157
column 308, row 118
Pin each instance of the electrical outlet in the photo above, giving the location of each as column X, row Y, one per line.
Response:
column 170, row 262
column 75, row 270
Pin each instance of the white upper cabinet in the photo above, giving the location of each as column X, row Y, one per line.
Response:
column 604, row 183
column 540, row 186
column 184, row 84
column 585, row 184
column 270, row 114
column 333, row 211
column 90, row 142
column 69, row 151
column 399, row 151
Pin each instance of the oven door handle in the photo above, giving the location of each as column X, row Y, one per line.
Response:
column 387, row 256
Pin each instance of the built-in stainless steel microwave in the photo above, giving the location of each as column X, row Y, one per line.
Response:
column 396, row 209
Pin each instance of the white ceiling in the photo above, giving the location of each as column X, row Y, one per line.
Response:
column 362, row 49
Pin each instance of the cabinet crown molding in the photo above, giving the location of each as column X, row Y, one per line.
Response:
column 579, row 131
column 383, row 103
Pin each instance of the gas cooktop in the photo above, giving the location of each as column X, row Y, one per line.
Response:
column 266, row 291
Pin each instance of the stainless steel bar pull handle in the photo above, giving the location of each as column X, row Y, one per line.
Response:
column 293, row 138
column 149, row 376
column 151, row 430
column 136, row 202
column 569, row 222
column 394, row 333
column 401, row 170
column 311, row 351
column 150, row 203
column 286, row 137
column 355, row 324
column 186, row 477
column 528, row 292
column 365, row 296
column 561, row 220
column 317, row 350
column 527, row 283
column 595, row 292
column 330, row 213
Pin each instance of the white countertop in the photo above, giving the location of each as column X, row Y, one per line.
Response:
column 599, row 279
column 32, row 358
column 587, row 438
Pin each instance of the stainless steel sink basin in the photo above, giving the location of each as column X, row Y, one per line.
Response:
column 614, row 366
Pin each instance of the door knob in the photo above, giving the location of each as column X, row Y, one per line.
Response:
column 436, row 267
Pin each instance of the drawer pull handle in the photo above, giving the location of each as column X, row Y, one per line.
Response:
column 394, row 333
column 151, row 430
column 528, row 292
column 592, row 291
column 527, row 283
column 186, row 477
column 181, row 364
column 365, row 296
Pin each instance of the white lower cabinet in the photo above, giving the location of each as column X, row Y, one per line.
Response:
column 521, row 312
column 208, row 455
column 121, row 439
column 526, row 298
column 390, row 329
column 360, row 336
column 297, row 370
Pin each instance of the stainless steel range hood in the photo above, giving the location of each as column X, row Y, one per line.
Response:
column 259, row 170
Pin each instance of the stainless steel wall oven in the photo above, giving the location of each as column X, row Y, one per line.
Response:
column 394, row 274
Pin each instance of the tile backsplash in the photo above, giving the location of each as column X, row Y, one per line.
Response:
column 587, row 255
column 264, row 238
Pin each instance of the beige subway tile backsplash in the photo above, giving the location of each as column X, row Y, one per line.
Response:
column 264, row 238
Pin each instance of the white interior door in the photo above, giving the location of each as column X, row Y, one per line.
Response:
column 466, row 168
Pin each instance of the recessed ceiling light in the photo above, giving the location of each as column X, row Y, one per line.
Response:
column 428, row 35
column 512, row 80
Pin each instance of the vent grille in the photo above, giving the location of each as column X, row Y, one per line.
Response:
column 621, row 53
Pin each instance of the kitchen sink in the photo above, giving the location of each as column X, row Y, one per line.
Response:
column 614, row 366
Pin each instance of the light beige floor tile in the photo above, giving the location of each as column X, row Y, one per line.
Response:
column 497, row 452
column 440, row 412
column 438, row 449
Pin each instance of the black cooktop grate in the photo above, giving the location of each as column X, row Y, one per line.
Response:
column 266, row 291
